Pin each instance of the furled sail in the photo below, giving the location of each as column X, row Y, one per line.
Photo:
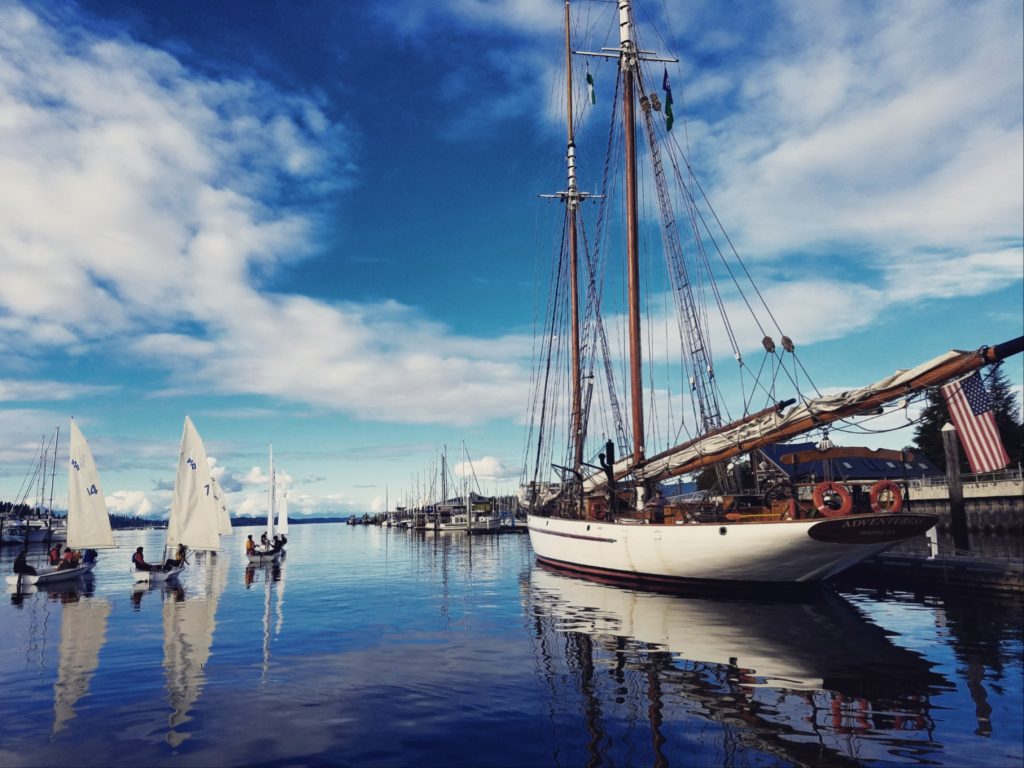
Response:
column 773, row 426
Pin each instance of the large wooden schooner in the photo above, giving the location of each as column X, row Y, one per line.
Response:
column 608, row 516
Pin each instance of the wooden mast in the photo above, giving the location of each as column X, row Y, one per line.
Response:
column 627, row 63
column 572, row 206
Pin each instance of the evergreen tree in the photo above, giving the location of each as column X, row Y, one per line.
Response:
column 928, row 432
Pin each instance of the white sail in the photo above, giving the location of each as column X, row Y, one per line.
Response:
column 220, row 500
column 282, row 509
column 194, row 516
column 88, row 520
column 83, row 631
column 271, row 499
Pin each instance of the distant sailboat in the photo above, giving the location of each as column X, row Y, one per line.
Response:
column 88, row 520
column 195, row 519
column 282, row 509
column 223, row 516
column 273, row 548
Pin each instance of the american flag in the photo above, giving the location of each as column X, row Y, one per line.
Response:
column 971, row 410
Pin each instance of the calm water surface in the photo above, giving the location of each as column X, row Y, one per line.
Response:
column 378, row 647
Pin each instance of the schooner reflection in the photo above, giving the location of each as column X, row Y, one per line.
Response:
column 807, row 681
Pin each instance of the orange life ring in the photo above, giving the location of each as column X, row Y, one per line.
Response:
column 598, row 509
column 881, row 487
column 845, row 499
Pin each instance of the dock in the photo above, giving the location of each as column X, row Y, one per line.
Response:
column 900, row 570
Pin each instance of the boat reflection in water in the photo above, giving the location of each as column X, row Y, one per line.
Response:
column 806, row 680
column 189, row 621
column 83, row 631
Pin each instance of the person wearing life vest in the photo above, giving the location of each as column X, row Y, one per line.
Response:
column 140, row 562
column 250, row 545
column 55, row 554
column 70, row 559
column 178, row 560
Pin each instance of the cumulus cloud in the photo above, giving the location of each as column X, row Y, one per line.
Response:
column 897, row 129
column 486, row 469
column 136, row 503
column 112, row 150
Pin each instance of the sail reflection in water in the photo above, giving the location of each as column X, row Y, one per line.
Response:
column 83, row 631
column 273, row 576
column 189, row 624
column 800, row 678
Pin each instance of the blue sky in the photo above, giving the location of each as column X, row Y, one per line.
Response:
column 317, row 224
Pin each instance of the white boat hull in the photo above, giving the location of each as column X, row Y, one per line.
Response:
column 776, row 552
column 261, row 558
column 49, row 575
column 152, row 577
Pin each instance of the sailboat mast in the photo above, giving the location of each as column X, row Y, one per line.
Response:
column 270, row 497
column 53, row 473
column 627, row 64
column 572, row 202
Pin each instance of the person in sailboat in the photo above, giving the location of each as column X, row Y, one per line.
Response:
column 70, row 559
column 20, row 566
column 139, row 561
column 89, row 556
column 250, row 545
column 55, row 554
column 178, row 560
column 265, row 541
column 657, row 506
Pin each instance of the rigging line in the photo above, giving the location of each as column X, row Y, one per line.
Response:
column 725, row 263
column 547, row 373
column 539, row 353
column 597, row 270
column 736, row 254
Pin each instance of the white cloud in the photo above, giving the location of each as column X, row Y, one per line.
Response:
column 486, row 470
column 13, row 390
column 137, row 503
column 134, row 206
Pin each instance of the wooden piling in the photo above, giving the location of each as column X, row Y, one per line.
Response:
column 958, row 515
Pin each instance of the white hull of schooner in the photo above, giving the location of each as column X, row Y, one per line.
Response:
column 796, row 551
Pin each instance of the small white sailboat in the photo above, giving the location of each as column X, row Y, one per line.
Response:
column 272, row 550
column 282, row 509
column 195, row 519
column 88, row 520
